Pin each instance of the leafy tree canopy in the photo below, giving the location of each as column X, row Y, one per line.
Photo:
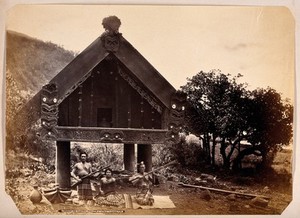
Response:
column 216, row 103
column 270, row 118
column 220, row 107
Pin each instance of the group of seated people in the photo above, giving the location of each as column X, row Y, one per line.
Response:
column 106, row 194
column 107, row 189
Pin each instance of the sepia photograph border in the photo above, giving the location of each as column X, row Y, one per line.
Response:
column 8, row 207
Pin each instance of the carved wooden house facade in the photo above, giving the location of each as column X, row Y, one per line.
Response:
column 110, row 93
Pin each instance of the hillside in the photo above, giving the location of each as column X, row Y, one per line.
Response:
column 30, row 64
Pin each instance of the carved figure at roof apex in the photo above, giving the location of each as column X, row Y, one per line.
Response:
column 111, row 25
column 111, row 36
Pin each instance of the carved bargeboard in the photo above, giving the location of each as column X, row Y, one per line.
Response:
column 141, row 91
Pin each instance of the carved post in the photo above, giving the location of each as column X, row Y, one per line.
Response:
column 145, row 154
column 176, row 117
column 49, row 111
column 63, row 162
column 129, row 157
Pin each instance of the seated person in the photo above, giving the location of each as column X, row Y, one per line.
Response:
column 144, row 186
column 107, row 191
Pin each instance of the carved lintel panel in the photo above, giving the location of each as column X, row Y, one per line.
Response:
column 176, row 117
column 142, row 92
column 111, row 135
column 49, row 111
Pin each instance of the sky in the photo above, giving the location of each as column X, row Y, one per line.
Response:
column 180, row 41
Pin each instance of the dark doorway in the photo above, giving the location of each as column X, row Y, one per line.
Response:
column 104, row 117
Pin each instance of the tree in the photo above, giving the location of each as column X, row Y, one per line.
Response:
column 269, row 121
column 216, row 111
column 223, row 113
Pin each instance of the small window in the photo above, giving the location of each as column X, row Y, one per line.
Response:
column 104, row 117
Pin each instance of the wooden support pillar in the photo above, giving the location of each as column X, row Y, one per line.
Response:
column 129, row 157
column 63, row 150
column 144, row 153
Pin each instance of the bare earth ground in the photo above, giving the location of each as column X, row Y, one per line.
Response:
column 188, row 201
